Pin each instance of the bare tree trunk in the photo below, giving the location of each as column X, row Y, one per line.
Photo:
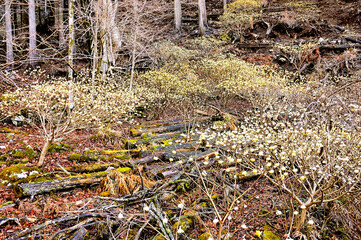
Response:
column 9, row 35
column 107, row 33
column 44, row 151
column 177, row 14
column 71, row 40
column 301, row 220
column 202, row 17
column 224, row 5
column 32, row 34
column 136, row 22
column 59, row 22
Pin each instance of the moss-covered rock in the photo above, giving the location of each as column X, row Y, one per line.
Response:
column 205, row 236
column 19, row 172
column 8, row 130
column 268, row 234
column 59, row 147
column 16, row 153
column 30, row 152
column 185, row 222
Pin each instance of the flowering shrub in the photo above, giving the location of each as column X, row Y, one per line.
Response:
column 221, row 79
column 59, row 107
column 311, row 161
column 240, row 15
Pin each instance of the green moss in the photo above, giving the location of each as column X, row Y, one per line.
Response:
column 205, row 236
column 59, row 147
column 123, row 169
column 146, row 135
column 17, row 153
column 30, row 152
column 75, row 157
column 90, row 167
column 8, row 130
column 159, row 237
column 8, row 175
column 86, row 157
column 134, row 131
column 268, row 234
column 120, row 156
column 185, row 223
column 91, row 152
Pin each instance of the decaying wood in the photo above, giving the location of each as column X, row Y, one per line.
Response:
column 171, row 128
column 80, row 234
column 158, row 215
column 90, row 168
column 148, row 159
column 32, row 189
column 134, row 143
column 254, row 45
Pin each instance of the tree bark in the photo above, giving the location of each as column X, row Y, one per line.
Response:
column 9, row 35
column 32, row 34
column 44, row 151
column 301, row 219
column 33, row 189
column 177, row 14
column 71, row 40
column 202, row 17
column 59, row 22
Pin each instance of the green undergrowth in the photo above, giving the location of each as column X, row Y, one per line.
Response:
column 59, row 147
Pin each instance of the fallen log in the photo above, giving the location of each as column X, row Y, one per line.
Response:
column 148, row 159
column 172, row 128
column 89, row 168
column 163, row 129
column 352, row 40
column 254, row 45
column 80, row 234
column 174, row 166
column 160, row 138
column 32, row 189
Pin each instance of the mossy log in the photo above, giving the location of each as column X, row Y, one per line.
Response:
column 163, row 129
column 159, row 138
column 104, row 155
column 148, row 159
column 159, row 123
column 89, row 168
column 188, row 146
column 173, row 168
column 32, row 189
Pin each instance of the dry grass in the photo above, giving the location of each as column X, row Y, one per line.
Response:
column 122, row 183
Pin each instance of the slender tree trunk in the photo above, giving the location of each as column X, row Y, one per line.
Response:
column 224, row 5
column 136, row 22
column 202, row 17
column 177, row 14
column 44, row 151
column 59, row 22
column 71, row 40
column 301, row 219
column 32, row 34
column 9, row 35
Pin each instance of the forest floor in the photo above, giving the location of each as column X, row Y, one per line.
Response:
column 158, row 163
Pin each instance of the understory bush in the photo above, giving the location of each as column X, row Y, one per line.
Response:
column 309, row 151
column 239, row 16
column 218, row 80
column 59, row 107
